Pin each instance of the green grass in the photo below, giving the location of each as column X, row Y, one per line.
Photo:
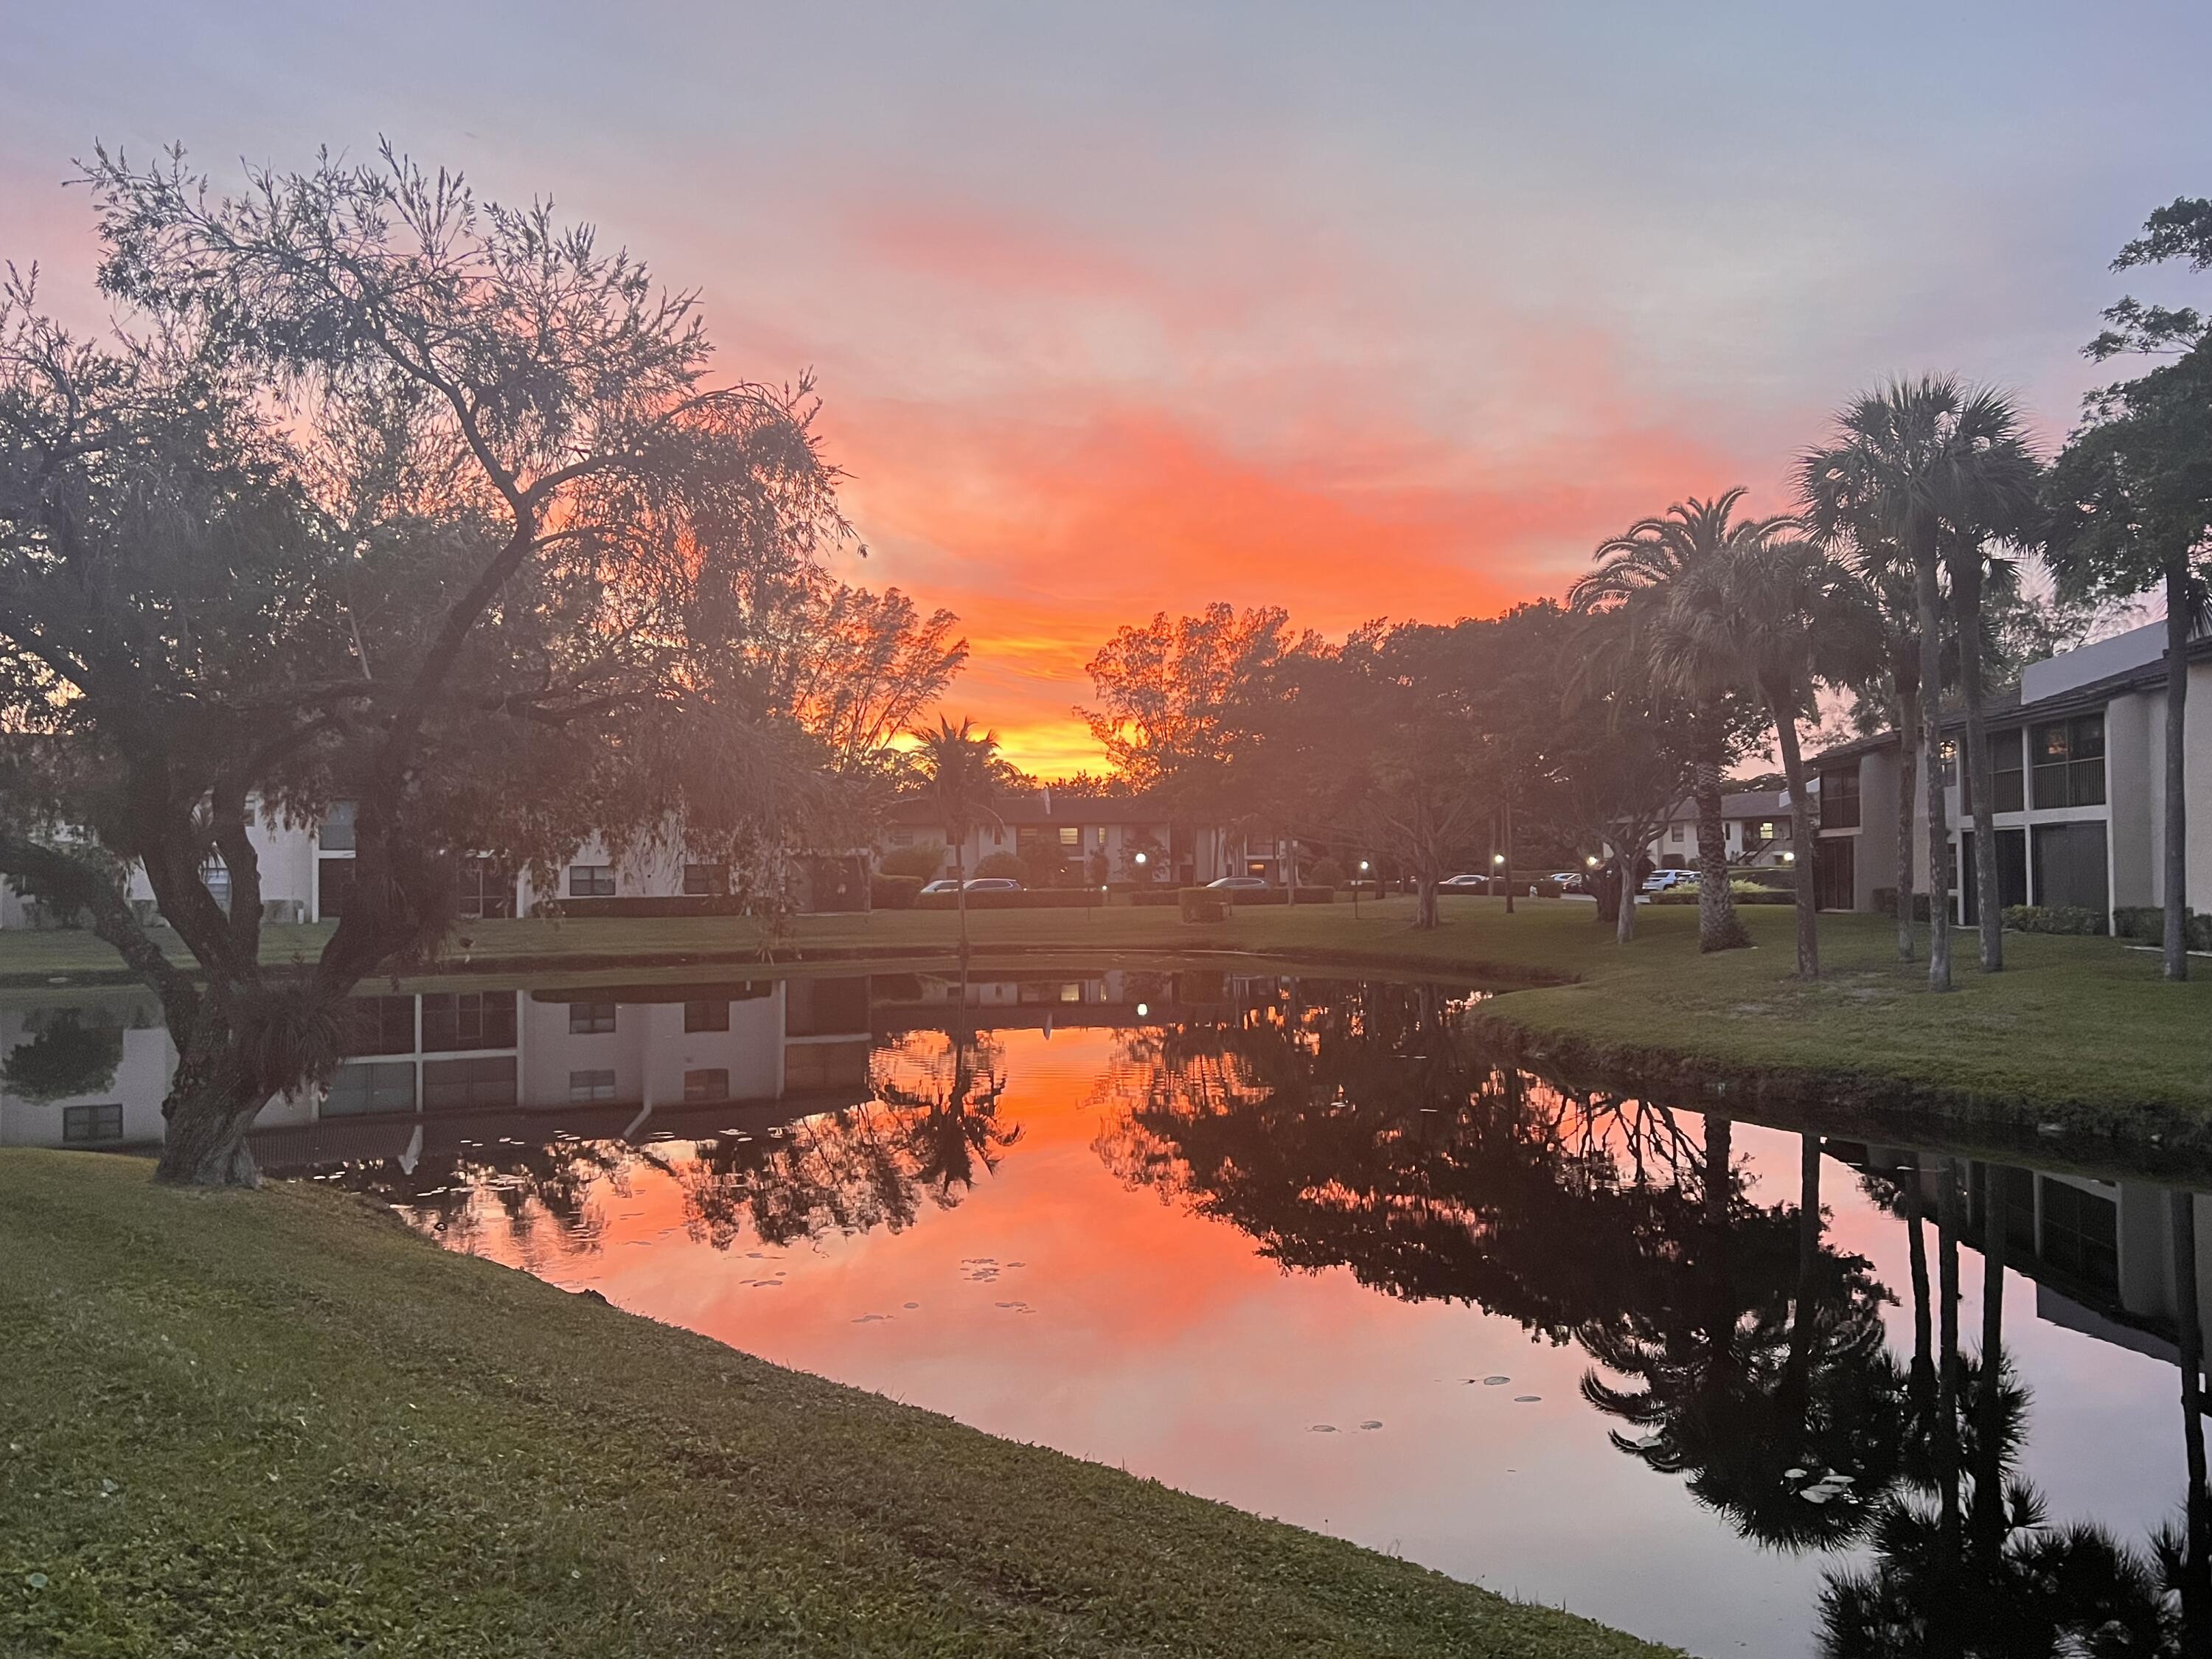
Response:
column 280, row 1424
column 2080, row 1029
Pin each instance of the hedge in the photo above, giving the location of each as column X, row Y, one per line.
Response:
column 1027, row 898
column 2053, row 919
column 1261, row 895
column 2145, row 924
column 673, row 904
column 894, row 892
column 1742, row 892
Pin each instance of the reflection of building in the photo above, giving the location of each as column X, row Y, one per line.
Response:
column 2100, row 1252
column 456, row 1048
column 1116, row 998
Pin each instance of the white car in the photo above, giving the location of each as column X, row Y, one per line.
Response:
column 945, row 885
column 1660, row 881
column 1463, row 884
column 1239, row 883
column 993, row 885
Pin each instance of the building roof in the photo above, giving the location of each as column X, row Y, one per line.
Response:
column 2004, row 708
column 1742, row 804
column 1046, row 807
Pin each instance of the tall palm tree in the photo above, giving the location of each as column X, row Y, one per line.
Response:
column 957, row 761
column 1637, row 570
column 1925, row 463
column 1778, row 613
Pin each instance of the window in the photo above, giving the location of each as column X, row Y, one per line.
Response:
column 337, row 828
column 1950, row 754
column 468, row 1019
column 2081, row 1233
column 2008, row 773
column 2069, row 865
column 487, row 889
column 591, row 881
column 2069, row 762
column 1840, row 798
column 84, row 1126
column 377, row 1086
column 333, row 882
column 710, row 1015
column 710, row 1083
column 215, row 875
column 591, row 1018
column 1674, row 833
column 379, row 1025
column 585, row 1086
column 1071, row 836
column 456, row 1084
column 706, row 880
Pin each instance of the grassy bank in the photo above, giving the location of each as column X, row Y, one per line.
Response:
column 277, row 1423
column 2081, row 1030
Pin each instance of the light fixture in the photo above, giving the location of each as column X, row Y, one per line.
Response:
column 1363, row 866
column 1591, row 860
column 1142, row 1010
column 1498, row 858
column 1143, row 857
column 1790, row 857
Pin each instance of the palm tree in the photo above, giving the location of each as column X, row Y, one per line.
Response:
column 2130, row 508
column 1933, row 466
column 956, row 760
column 1637, row 571
column 1778, row 613
column 1896, row 690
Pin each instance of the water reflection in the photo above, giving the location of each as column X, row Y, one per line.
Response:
column 1789, row 1336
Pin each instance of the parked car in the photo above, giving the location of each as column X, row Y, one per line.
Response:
column 1660, row 881
column 1240, row 883
column 1463, row 883
column 993, row 885
column 945, row 885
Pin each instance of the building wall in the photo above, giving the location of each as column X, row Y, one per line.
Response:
column 2134, row 786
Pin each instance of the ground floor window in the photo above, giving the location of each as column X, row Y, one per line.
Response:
column 707, row 1014
column 384, row 1085
column 1835, row 872
column 591, row 881
column 587, row 1086
column 2069, row 865
column 86, row 1125
column 458, row 1085
column 708, row 1082
column 2012, row 873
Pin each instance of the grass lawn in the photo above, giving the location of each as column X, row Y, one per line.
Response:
column 2081, row 1030
column 280, row 1424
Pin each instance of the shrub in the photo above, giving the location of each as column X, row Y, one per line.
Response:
column 1203, row 904
column 922, row 862
column 673, row 904
column 1262, row 895
column 1545, row 888
column 1034, row 898
column 1159, row 895
column 2145, row 924
column 2054, row 919
column 1326, row 872
column 893, row 892
column 996, row 865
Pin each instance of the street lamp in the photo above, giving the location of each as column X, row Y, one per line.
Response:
column 1360, row 882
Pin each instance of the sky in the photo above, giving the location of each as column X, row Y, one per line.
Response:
column 1365, row 311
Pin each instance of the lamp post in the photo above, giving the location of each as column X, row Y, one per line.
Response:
column 1359, row 882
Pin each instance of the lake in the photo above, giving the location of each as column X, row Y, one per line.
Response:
column 1300, row 1245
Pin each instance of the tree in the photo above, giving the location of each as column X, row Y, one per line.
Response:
column 1890, row 695
column 962, row 783
column 2130, row 508
column 1913, row 463
column 2181, row 230
column 1776, row 614
column 396, row 498
column 1638, row 571
column 857, row 669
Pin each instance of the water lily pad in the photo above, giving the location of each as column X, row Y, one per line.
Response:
column 1526, row 1399
column 1493, row 1381
column 1322, row 1428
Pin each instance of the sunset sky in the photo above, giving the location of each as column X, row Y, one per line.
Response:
column 1364, row 310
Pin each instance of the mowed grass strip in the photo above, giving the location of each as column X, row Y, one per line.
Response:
column 280, row 1424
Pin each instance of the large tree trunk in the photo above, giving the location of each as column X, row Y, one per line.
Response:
column 960, row 893
column 1719, row 927
column 1948, row 1228
column 1801, row 839
column 1624, row 924
column 2177, row 615
column 1425, row 901
column 211, row 1102
column 1988, row 910
column 1506, row 851
column 1931, row 757
column 1908, row 780
column 1924, row 1330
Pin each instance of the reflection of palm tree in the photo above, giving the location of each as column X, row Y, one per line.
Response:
column 950, row 1085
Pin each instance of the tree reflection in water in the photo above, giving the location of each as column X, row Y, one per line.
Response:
column 1343, row 1127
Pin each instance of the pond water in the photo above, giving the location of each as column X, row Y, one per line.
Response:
column 1298, row 1245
